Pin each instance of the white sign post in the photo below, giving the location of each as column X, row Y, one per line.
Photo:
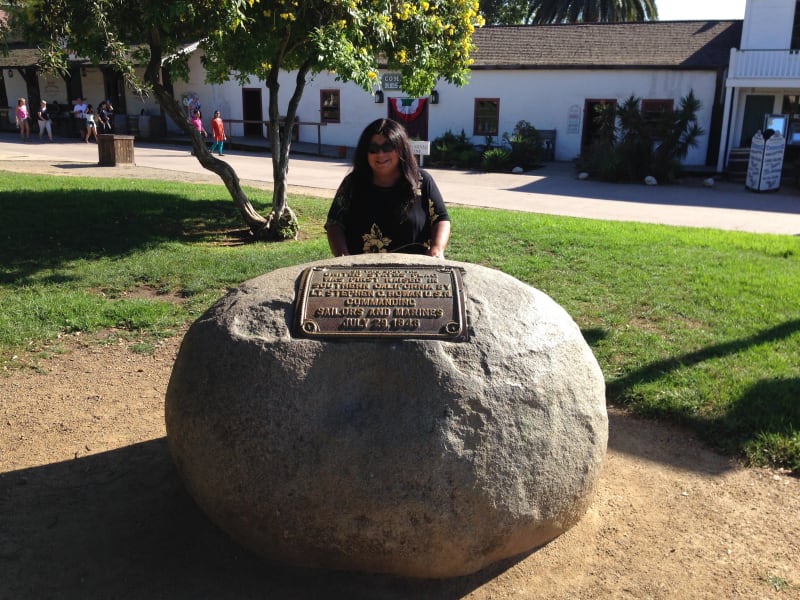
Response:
column 420, row 148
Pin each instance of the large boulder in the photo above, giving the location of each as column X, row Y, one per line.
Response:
column 424, row 458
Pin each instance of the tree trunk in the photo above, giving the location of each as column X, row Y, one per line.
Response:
column 258, row 224
column 282, row 221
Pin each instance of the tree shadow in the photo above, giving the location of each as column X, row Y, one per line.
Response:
column 657, row 369
column 767, row 407
column 691, row 193
column 120, row 525
column 43, row 230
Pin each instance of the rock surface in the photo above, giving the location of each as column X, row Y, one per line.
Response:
column 417, row 458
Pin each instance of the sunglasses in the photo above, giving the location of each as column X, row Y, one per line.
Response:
column 384, row 147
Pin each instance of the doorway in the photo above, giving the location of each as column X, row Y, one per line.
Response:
column 252, row 113
column 755, row 107
column 591, row 125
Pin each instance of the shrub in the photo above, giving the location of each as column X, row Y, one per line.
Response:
column 628, row 147
column 526, row 146
column 450, row 150
column 496, row 160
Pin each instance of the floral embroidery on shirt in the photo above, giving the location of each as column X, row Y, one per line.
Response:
column 432, row 216
column 374, row 241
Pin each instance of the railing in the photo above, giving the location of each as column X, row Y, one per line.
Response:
column 295, row 133
column 764, row 64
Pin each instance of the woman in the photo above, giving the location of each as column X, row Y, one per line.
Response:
column 44, row 121
column 386, row 203
column 104, row 116
column 218, row 133
column 22, row 120
column 91, row 123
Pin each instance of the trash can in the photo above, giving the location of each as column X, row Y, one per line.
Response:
column 115, row 150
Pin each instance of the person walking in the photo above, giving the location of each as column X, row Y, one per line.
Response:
column 45, row 124
column 23, row 124
column 91, row 123
column 78, row 111
column 104, row 117
column 218, row 133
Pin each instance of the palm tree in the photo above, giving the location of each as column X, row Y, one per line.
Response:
column 590, row 11
column 514, row 12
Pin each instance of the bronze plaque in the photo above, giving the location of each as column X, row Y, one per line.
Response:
column 377, row 302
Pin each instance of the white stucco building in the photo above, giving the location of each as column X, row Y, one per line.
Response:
column 551, row 76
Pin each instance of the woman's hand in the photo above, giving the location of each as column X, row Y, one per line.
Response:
column 337, row 241
column 440, row 234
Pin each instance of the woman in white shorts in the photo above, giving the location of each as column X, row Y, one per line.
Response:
column 45, row 125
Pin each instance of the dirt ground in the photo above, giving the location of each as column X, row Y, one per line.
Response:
column 91, row 507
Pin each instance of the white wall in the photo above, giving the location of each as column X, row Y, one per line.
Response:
column 226, row 98
column 53, row 88
column 767, row 24
column 546, row 99
column 15, row 89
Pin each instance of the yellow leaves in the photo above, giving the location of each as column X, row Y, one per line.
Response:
column 387, row 22
column 406, row 11
column 287, row 16
column 400, row 56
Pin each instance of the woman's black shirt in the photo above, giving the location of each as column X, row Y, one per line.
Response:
column 376, row 219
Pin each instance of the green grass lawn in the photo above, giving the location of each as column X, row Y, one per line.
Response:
column 697, row 326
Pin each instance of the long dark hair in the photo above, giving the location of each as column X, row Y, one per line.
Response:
column 396, row 134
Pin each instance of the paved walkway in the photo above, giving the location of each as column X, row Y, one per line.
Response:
column 552, row 189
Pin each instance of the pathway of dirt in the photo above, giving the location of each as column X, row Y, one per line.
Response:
column 91, row 507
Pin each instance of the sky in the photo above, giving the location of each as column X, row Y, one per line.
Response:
column 690, row 10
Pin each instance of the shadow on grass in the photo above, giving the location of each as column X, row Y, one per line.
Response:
column 120, row 524
column 761, row 423
column 43, row 230
column 768, row 408
column 594, row 335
